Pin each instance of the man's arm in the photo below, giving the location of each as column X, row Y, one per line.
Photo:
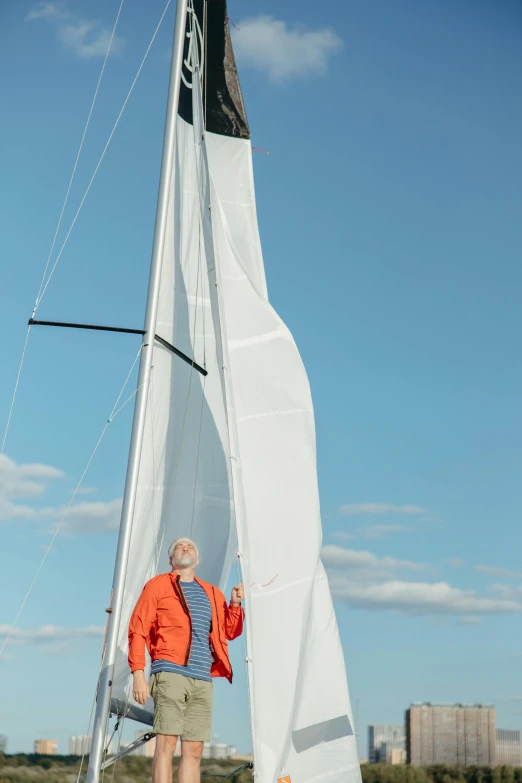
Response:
column 140, row 624
column 234, row 614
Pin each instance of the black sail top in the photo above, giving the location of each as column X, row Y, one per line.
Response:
column 222, row 99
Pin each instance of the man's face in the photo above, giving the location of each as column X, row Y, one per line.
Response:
column 184, row 555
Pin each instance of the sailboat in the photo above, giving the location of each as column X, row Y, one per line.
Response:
column 223, row 441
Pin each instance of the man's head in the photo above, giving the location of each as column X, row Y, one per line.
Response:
column 183, row 553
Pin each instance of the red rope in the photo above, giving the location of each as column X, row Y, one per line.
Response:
column 232, row 23
column 266, row 583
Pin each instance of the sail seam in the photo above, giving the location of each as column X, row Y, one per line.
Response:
column 267, row 337
column 268, row 414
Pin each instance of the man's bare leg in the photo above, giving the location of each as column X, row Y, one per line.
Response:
column 162, row 764
column 189, row 765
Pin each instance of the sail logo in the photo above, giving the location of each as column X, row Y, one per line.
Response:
column 194, row 58
column 284, row 779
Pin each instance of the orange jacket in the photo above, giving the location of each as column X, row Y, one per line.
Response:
column 161, row 620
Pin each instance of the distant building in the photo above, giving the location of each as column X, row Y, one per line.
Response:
column 440, row 733
column 383, row 738
column 217, row 750
column 3, row 743
column 80, row 745
column 396, row 756
column 46, row 747
column 508, row 748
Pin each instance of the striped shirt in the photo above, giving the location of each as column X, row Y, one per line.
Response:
column 200, row 659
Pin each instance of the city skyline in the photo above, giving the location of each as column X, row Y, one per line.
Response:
column 387, row 743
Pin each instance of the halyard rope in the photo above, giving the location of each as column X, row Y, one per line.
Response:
column 57, row 530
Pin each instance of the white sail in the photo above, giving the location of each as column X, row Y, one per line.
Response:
column 236, row 448
column 184, row 486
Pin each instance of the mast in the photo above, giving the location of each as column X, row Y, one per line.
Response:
column 138, row 425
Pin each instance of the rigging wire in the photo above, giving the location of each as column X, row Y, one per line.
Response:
column 102, row 156
column 43, row 287
column 15, row 390
column 57, row 530
column 61, row 216
column 79, row 151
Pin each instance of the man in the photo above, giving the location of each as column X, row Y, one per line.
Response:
column 185, row 624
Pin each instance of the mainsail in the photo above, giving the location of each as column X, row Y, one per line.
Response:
column 228, row 457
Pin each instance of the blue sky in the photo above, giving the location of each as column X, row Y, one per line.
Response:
column 388, row 213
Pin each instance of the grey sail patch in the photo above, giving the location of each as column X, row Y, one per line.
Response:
column 328, row 730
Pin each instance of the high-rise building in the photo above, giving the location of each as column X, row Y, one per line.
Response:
column 396, row 756
column 217, row 750
column 3, row 743
column 80, row 745
column 508, row 748
column 440, row 733
column 382, row 739
column 46, row 747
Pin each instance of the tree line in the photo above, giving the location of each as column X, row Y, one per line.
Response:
column 439, row 773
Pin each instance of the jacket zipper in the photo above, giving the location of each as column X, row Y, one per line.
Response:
column 187, row 611
column 219, row 637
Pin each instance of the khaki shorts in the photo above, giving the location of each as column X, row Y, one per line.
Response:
column 182, row 706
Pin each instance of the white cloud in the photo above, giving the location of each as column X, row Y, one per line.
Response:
column 271, row 46
column 47, row 11
column 505, row 573
column 88, row 39
column 506, row 591
column 381, row 531
column 364, row 580
column 99, row 517
column 338, row 558
column 418, row 597
column 28, row 480
column 84, row 490
column 22, row 481
column 373, row 532
column 83, row 37
column 48, row 634
column 454, row 562
column 469, row 619
column 363, row 509
column 341, row 535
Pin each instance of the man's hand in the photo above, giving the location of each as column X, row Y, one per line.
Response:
column 238, row 594
column 140, row 690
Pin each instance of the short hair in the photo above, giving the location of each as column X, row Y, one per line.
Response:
column 177, row 541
